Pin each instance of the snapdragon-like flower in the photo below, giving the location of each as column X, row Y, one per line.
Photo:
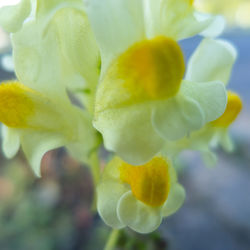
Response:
column 40, row 124
column 141, row 99
column 219, row 68
column 122, row 61
column 54, row 51
column 214, row 134
column 138, row 196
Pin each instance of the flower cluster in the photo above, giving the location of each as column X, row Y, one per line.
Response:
column 115, row 68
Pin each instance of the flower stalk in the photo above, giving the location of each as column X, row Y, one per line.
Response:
column 112, row 240
column 96, row 173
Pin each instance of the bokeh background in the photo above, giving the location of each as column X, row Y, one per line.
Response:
column 54, row 212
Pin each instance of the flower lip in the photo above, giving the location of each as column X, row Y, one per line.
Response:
column 151, row 69
column 150, row 183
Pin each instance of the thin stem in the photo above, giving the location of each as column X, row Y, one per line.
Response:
column 95, row 169
column 112, row 240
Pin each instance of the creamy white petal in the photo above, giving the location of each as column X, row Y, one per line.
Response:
column 78, row 136
column 13, row 16
column 212, row 61
column 36, row 144
column 211, row 96
column 32, row 66
column 177, row 117
column 226, row 141
column 216, row 26
column 10, row 141
column 116, row 24
column 77, row 44
column 196, row 141
column 138, row 216
column 175, row 200
column 57, row 49
column 108, row 196
column 128, row 132
column 175, row 19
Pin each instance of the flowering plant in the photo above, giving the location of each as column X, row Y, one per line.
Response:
column 111, row 72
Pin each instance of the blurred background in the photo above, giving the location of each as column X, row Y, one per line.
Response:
column 54, row 212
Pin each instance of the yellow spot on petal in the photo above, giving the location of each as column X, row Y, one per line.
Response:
column 152, row 69
column 15, row 105
column 150, row 183
column 234, row 106
column 191, row 2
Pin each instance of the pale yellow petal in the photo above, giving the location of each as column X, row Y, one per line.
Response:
column 108, row 196
column 138, row 216
column 175, row 200
column 10, row 141
column 13, row 16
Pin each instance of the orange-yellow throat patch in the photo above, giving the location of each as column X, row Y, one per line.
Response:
column 234, row 107
column 151, row 69
column 15, row 104
column 150, row 183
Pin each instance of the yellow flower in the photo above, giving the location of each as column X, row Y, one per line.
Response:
column 216, row 132
column 138, row 196
column 55, row 53
column 40, row 124
column 142, row 100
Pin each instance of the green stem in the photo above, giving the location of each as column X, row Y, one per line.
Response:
column 112, row 240
column 95, row 169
